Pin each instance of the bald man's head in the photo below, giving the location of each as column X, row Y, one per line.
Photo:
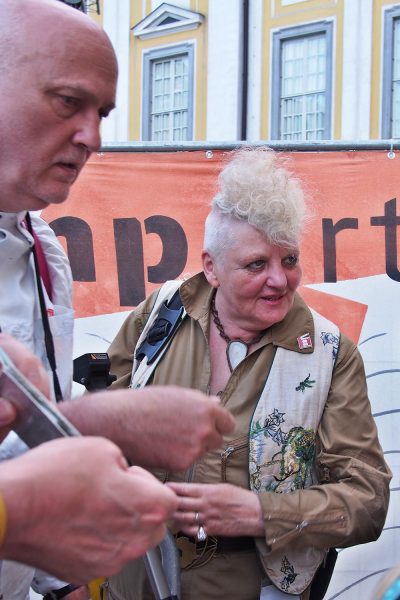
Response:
column 58, row 75
column 30, row 26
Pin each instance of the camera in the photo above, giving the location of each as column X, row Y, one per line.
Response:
column 93, row 371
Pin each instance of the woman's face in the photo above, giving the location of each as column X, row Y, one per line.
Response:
column 256, row 280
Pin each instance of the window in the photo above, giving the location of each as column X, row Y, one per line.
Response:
column 391, row 75
column 301, row 83
column 168, row 94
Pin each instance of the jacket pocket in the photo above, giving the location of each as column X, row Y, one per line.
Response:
column 234, row 461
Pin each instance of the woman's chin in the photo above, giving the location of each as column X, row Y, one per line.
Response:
column 273, row 313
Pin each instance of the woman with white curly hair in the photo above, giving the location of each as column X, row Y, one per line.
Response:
column 303, row 471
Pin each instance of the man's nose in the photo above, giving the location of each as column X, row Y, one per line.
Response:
column 88, row 132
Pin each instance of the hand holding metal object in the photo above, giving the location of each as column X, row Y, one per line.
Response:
column 39, row 421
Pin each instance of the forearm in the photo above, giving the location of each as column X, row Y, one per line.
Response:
column 114, row 418
column 144, row 423
column 332, row 515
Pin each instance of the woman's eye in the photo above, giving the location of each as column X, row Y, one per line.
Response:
column 291, row 260
column 256, row 265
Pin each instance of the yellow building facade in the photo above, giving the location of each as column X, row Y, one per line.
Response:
column 226, row 70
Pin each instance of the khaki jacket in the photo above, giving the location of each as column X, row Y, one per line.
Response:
column 349, row 506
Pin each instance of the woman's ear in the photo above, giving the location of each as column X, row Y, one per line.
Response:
column 209, row 269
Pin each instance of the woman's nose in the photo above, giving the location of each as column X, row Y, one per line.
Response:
column 276, row 276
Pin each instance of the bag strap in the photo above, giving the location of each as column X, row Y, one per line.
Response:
column 40, row 274
column 163, row 321
column 162, row 329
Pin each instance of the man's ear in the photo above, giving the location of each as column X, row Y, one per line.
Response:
column 209, row 269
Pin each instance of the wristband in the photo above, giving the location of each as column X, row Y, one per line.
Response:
column 3, row 519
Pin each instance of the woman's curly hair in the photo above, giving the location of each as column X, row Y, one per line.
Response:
column 256, row 187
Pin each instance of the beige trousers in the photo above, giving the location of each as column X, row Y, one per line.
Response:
column 233, row 576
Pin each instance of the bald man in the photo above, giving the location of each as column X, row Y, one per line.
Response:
column 58, row 75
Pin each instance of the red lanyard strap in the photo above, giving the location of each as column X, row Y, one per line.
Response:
column 40, row 275
column 41, row 259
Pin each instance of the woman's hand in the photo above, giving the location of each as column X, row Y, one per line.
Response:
column 222, row 509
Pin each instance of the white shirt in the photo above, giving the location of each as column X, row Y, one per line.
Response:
column 21, row 317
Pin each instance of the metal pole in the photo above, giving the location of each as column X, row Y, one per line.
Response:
column 156, row 575
column 283, row 146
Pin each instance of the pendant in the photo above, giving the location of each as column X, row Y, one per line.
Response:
column 236, row 351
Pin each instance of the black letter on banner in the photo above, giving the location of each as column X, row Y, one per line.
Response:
column 175, row 248
column 329, row 232
column 390, row 222
column 79, row 246
column 129, row 249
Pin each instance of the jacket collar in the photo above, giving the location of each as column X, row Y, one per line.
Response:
column 296, row 332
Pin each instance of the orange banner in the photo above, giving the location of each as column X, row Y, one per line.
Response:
column 134, row 220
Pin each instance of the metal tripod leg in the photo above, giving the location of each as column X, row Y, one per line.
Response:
column 164, row 571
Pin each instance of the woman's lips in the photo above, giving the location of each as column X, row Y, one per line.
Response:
column 273, row 299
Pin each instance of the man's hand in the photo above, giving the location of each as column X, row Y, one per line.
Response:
column 75, row 509
column 158, row 426
column 31, row 367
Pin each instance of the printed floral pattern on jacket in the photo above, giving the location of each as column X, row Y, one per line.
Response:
column 291, row 465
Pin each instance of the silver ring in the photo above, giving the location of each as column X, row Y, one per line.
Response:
column 196, row 517
column 201, row 535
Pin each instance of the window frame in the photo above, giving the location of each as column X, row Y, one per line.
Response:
column 301, row 31
column 149, row 58
column 390, row 15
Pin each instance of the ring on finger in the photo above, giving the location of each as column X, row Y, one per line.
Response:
column 196, row 517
